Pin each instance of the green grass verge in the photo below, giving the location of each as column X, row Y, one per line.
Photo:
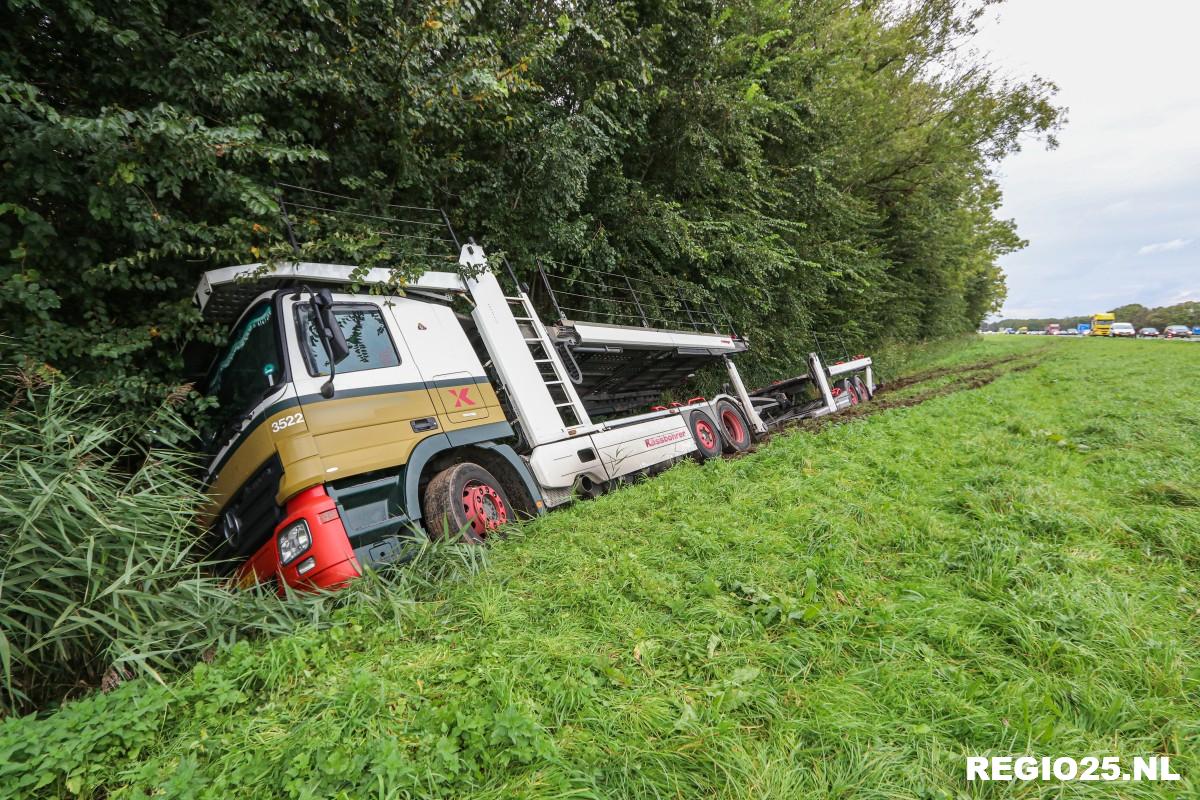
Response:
column 848, row 613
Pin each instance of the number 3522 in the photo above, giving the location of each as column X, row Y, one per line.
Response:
column 286, row 422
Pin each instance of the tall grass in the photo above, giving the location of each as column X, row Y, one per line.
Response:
column 98, row 574
column 101, row 575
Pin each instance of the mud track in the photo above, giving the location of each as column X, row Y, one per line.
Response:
column 975, row 375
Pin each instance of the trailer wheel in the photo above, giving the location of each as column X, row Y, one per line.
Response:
column 465, row 497
column 735, row 430
column 864, row 394
column 850, row 390
column 706, row 436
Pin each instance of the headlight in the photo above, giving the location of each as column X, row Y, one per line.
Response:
column 293, row 542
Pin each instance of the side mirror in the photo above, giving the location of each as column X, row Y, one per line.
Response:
column 330, row 331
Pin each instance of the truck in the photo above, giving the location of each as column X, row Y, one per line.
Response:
column 355, row 415
column 1101, row 324
column 1053, row 329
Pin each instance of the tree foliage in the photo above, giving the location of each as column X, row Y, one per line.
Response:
column 815, row 164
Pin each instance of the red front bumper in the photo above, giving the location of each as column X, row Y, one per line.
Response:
column 335, row 564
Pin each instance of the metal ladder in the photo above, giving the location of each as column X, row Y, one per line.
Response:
column 541, row 350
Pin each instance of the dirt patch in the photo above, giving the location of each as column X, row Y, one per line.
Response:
column 967, row 376
column 968, row 379
column 962, row 369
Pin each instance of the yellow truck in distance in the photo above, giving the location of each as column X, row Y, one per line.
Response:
column 1101, row 324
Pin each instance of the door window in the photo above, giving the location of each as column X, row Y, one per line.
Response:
column 366, row 333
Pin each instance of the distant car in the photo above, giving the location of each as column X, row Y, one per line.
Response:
column 1177, row 332
column 1122, row 329
column 1196, row 330
column 1010, row 330
column 1037, row 333
column 1148, row 333
column 1068, row 332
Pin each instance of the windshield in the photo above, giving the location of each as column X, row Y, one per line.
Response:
column 249, row 366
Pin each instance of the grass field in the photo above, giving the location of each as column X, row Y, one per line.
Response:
column 1003, row 559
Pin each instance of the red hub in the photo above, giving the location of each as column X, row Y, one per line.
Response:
column 734, row 430
column 706, row 434
column 484, row 507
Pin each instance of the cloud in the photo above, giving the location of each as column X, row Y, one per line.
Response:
column 1126, row 176
column 1024, row 312
column 1163, row 247
column 1186, row 296
column 1117, row 209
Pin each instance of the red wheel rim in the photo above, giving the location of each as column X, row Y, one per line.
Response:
column 484, row 508
column 853, row 396
column 706, row 435
column 733, row 426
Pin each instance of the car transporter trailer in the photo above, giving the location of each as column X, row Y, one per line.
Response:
column 351, row 414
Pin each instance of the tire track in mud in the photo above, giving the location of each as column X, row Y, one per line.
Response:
column 963, row 369
column 975, row 375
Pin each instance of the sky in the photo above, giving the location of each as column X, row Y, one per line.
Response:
column 1112, row 215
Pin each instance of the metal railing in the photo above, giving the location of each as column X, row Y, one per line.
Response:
column 580, row 294
column 323, row 225
column 834, row 348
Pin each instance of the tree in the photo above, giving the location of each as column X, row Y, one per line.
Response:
column 812, row 165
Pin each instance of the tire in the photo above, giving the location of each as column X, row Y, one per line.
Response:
column 735, row 430
column 864, row 394
column 466, row 499
column 850, row 390
column 706, row 436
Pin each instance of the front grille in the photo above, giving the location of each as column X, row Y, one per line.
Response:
column 256, row 511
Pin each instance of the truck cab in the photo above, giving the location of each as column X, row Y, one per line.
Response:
column 1101, row 324
column 328, row 461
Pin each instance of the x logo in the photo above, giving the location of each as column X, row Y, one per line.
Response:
column 461, row 397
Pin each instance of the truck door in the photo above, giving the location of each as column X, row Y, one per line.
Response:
column 380, row 409
column 458, row 387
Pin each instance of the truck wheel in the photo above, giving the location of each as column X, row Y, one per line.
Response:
column 465, row 498
column 706, row 436
column 735, row 430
